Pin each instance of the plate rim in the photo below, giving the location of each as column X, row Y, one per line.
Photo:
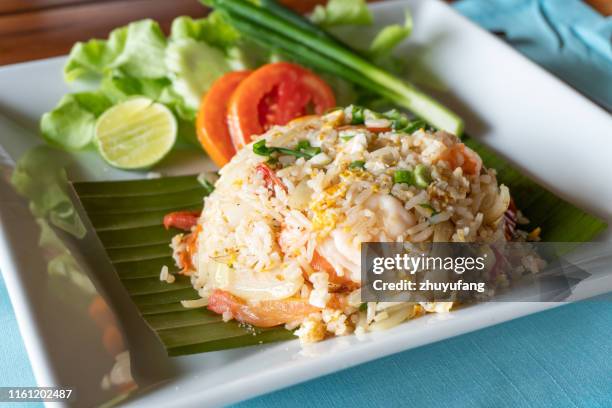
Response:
column 269, row 381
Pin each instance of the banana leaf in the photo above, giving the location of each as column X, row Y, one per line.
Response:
column 127, row 216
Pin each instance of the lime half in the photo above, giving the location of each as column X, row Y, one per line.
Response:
column 136, row 133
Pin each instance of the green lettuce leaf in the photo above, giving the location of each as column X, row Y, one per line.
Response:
column 90, row 59
column 143, row 54
column 118, row 87
column 214, row 30
column 71, row 125
column 137, row 50
column 193, row 66
column 389, row 37
column 342, row 12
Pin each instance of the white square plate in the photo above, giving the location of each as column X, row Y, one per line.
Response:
column 543, row 126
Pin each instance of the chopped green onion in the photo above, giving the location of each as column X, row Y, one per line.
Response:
column 404, row 177
column 422, row 177
column 357, row 164
column 414, row 125
column 398, row 120
column 357, row 115
column 261, row 149
column 363, row 307
column 304, row 149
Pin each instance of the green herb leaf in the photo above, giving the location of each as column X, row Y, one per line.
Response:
column 342, row 12
column 303, row 149
column 390, row 36
column 261, row 149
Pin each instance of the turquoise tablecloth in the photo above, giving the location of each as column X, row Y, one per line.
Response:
column 559, row 358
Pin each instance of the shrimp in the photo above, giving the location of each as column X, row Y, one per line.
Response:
column 266, row 313
column 459, row 155
column 270, row 178
column 343, row 257
column 340, row 282
column 184, row 220
column 396, row 220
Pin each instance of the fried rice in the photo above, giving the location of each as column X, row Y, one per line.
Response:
column 278, row 241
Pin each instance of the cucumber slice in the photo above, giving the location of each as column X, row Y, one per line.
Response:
column 136, row 133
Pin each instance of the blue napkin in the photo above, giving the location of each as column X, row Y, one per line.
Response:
column 567, row 37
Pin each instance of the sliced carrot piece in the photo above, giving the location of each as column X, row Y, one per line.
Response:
column 211, row 121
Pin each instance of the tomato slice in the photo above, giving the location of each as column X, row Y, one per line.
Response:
column 274, row 95
column 211, row 122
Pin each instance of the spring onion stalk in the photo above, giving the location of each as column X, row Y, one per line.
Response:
column 386, row 84
column 284, row 13
column 304, row 55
